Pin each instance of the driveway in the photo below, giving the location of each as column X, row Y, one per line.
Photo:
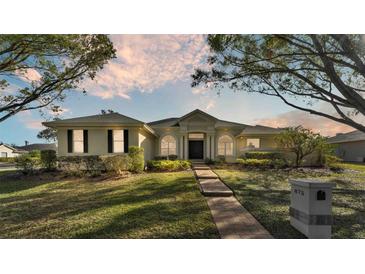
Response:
column 7, row 166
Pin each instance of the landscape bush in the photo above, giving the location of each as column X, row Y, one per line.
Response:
column 136, row 155
column 27, row 163
column 172, row 157
column 255, row 163
column 263, row 155
column 168, row 165
column 220, row 159
column 209, row 161
column 35, row 153
column 7, row 159
column 48, row 159
column 160, row 157
column 116, row 164
column 80, row 165
column 333, row 163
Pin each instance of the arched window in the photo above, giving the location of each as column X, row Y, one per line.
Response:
column 168, row 145
column 225, row 145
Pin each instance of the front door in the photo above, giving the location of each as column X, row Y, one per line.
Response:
column 196, row 149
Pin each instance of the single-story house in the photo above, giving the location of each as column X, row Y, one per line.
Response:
column 7, row 151
column 196, row 135
column 350, row 146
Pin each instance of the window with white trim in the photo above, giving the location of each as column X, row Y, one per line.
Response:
column 78, row 140
column 168, row 145
column 225, row 145
column 118, row 141
column 253, row 143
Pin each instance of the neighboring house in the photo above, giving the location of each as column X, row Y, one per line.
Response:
column 350, row 146
column 196, row 135
column 7, row 151
column 40, row 147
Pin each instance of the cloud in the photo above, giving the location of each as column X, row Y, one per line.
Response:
column 29, row 121
column 29, row 75
column 317, row 123
column 147, row 62
column 210, row 104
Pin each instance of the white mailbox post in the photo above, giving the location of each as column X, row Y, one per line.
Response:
column 311, row 207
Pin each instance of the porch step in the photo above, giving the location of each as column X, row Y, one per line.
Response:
column 205, row 174
column 200, row 167
column 214, row 188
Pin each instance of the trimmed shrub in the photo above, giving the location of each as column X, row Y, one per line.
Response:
column 35, row 153
column 220, row 159
column 209, row 161
column 172, row 157
column 48, row 159
column 255, row 163
column 117, row 164
column 160, row 157
column 26, row 163
column 136, row 155
column 263, row 155
column 168, row 165
column 7, row 159
column 78, row 165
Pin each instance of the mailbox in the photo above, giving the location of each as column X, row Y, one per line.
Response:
column 311, row 207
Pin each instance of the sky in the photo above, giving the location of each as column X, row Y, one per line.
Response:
column 150, row 80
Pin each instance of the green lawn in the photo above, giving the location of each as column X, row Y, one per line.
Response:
column 157, row 205
column 266, row 194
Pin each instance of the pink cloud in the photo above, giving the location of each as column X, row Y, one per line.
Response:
column 29, row 75
column 319, row 124
column 147, row 62
column 29, row 121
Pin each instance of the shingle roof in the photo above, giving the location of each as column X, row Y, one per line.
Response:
column 109, row 118
column 169, row 122
column 38, row 147
column 249, row 130
column 352, row 136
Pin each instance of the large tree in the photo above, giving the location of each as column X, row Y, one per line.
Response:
column 48, row 65
column 319, row 74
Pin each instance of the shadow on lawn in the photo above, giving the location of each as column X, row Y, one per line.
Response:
column 267, row 197
column 159, row 209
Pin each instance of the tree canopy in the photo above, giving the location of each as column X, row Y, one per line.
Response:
column 319, row 74
column 49, row 65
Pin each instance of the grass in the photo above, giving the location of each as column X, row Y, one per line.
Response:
column 266, row 194
column 158, row 205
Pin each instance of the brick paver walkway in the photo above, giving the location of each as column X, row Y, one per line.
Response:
column 231, row 218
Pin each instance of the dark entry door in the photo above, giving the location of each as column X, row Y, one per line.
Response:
column 195, row 149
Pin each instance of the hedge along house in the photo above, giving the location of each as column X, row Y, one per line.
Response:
column 194, row 136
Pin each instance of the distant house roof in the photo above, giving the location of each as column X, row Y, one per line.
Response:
column 252, row 130
column 38, row 147
column 14, row 149
column 352, row 136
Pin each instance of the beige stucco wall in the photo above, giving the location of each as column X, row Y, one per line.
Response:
column 267, row 142
column 147, row 142
column 351, row 151
column 98, row 140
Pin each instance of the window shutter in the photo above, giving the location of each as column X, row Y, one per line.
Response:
column 69, row 141
column 110, row 141
column 125, row 138
column 86, row 141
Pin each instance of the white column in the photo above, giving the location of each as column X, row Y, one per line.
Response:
column 186, row 154
column 208, row 146
column 181, row 147
column 213, row 147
